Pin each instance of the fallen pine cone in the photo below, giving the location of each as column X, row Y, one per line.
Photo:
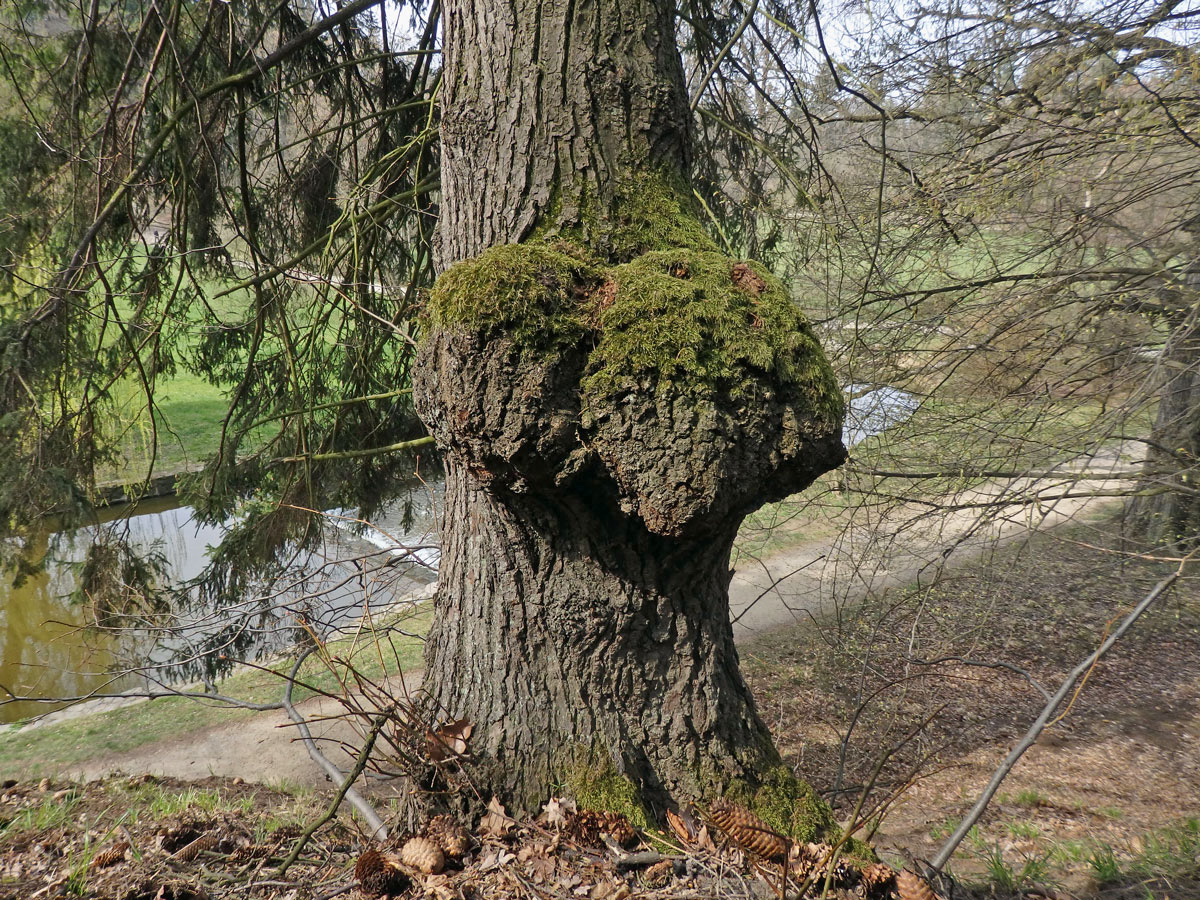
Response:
column 251, row 851
column 196, row 847
column 809, row 858
column 110, row 856
column 449, row 835
column 171, row 839
column 423, row 854
column 748, row 831
column 379, row 872
column 811, row 862
column 589, row 824
column 911, row 886
column 877, row 879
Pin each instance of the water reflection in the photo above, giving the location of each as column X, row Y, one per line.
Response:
column 45, row 649
column 51, row 648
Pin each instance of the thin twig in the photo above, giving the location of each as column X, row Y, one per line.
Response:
column 378, row 829
column 359, row 765
column 966, row 661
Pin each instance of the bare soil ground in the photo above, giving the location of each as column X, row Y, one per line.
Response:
column 1107, row 802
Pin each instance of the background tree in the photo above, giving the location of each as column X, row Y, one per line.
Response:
column 1011, row 201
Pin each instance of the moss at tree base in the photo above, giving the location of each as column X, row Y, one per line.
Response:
column 790, row 806
column 599, row 786
column 786, row 803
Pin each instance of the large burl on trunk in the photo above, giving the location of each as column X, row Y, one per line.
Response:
column 611, row 396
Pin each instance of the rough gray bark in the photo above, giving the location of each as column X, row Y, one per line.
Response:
column 544, row 105
column 1170, row 512
column 582, row 608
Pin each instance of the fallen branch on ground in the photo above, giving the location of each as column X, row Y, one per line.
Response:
column 1043, row 719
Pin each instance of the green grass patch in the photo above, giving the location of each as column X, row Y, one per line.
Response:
column 188, row 416
column 50, row 813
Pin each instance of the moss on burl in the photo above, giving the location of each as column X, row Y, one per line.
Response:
column 683, row 318
column 699, row 321
column 648, row 212
column 530, row 291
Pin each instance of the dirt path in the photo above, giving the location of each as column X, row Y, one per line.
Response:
column 1118, row 770
column 912, row 544
column 765, row 595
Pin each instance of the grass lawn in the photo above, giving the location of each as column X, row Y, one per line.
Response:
column 189, row 414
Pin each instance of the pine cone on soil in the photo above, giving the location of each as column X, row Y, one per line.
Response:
column 172, row 838
column 190, row 851
column 911, row 886
column 251, row 851
column 878, row 879
column 748, row 831
column 449, row 835
column 589, row 824
column 110, row 856
column 812, row 861
column 423, row 854
column 379, row 873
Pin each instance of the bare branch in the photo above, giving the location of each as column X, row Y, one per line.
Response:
column 1040, row 723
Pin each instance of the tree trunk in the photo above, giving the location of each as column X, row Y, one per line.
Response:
column 1169, row 510
column 545, row 105
column 611, row 398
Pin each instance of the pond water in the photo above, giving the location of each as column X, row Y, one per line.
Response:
column 871, row 411
column 46, row 650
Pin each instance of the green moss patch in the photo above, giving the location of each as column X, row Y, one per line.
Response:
column 684, row 317
column 673, row 308
column 788, row 805
column 532, row 291
column 597, row 785
column 649, row 212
